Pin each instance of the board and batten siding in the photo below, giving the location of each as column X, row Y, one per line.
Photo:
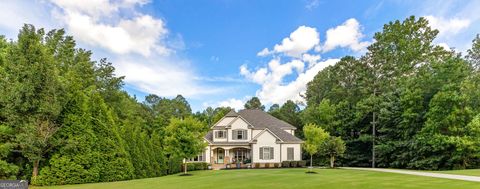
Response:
column 266, row 139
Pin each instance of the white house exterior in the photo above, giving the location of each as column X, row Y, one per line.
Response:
column 250, row 137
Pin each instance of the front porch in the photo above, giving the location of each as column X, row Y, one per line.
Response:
column 230, row 157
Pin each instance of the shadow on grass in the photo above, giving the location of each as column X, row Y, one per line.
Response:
column 187, row 174
column 311, row 172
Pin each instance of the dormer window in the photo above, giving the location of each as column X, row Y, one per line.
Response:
column 239, row 134
column 220, row 134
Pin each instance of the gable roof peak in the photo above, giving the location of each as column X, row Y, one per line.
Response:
column 232, row 113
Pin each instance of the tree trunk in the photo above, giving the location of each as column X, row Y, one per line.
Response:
column 311, row 157
column 185, row 167
column 35, row 168
column 332, row 161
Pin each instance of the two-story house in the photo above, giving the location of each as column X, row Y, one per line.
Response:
column 250, row 136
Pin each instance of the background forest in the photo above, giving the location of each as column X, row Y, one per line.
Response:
column 65, row 119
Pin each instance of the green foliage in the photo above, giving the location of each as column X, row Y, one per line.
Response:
column 285, row 164
column 315, row 136
column 333, row 147
column 65, row 118
column 254, row 103
column 473, row 55
column 193, row 166
column 185, row 137
column 424, row 98
column 290, row 113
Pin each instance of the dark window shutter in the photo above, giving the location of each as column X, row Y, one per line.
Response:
column 271, row 152
column 216, row 134
column 245, row 135
column 289, row 153
column 261, row 153
column 234, row 135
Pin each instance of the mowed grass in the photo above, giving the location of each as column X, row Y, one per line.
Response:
column 468, row 172
column 282, row 178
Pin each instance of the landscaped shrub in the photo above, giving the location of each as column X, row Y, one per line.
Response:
column 197, row 166
column 302, row 163
column 267, row 165
column 286, row 164
column 257, row 165
column 276, row 165
column 293, row 163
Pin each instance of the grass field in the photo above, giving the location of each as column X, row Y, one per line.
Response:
column 282, row 178
column 469, row 172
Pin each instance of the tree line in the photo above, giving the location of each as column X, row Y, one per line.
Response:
column 405, row 103
column 64, row 118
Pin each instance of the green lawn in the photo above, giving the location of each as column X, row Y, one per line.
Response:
column 283, row 178
column 469, row 172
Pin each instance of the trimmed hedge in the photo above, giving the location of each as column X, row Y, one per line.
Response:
column 193, row 166
column 287, row 164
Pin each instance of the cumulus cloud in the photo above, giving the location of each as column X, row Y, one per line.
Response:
column 300, row 41
column 233, row 103
column 274, row 89
column 448, row 26
column 346, row 35
column 160, row 77
column 287, row 80
column 139, row 34
column 237, row 104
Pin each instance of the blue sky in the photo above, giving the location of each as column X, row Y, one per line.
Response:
column 223, row 52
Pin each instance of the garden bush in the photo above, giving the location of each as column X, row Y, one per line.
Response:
column 293, row 163
column 302, row 163
column 193, row 166
column 257, row 165
column 286, row 164
column 267, row 165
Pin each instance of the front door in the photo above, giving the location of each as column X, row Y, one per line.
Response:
column 220, row 155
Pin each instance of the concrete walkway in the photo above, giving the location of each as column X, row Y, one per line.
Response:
column 419, row 173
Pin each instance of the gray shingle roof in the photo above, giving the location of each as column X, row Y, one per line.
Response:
column 284, row 136
column 262, row 120
column 209, row 136
column 232, row 113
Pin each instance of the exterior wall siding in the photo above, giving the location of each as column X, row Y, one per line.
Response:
column 239, row 124
column 296, row 151
column 266, row 140
column 220, row 139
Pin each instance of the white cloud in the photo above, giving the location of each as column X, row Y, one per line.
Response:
column 264, row 52
column 444, row 45
column 312, row 4
column 311, row 59
column 97, row 8
column 160, row 77
column 237, row 104
column 233, row 103
column 140, row 34
column 300, row 41
column 346, row 35
column 16, row 13
column 274, row 89
column 448, row 26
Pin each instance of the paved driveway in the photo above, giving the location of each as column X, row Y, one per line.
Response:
column 426, row 174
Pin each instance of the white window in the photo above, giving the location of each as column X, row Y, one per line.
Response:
column 289, row 153
column 239, row 135
column 198, row 158
column 220, row 134
column 266, row 153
